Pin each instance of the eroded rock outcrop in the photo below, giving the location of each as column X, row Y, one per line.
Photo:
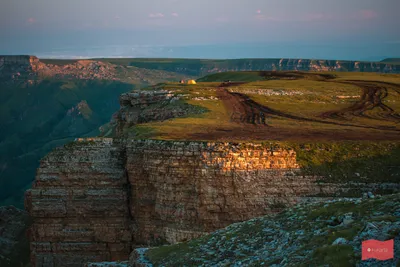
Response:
column 144, row 106
column 95, row 198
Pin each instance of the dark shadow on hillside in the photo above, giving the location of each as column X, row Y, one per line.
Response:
column 39, row 117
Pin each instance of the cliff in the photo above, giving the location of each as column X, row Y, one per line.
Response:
column 150, row 105
column 79, row 203
column 95, row 198
column 198, row 67
column 30, row 68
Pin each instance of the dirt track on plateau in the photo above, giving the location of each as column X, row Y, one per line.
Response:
column 252, row 118
column 371, row 99
column 245, row 110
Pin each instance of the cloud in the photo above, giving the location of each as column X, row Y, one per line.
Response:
column 258, row 11
column 367, row 14
column 156, row 15
column 175, row 14
column 31, row 20
column 117, row 17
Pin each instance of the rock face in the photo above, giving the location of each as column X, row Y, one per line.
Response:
column 95, row 198
column 79, row 203
column 145, row 106
column 14, row 245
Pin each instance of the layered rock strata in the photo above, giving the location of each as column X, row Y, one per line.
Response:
column 95, row 199
column 144, row 106
column 79, row 203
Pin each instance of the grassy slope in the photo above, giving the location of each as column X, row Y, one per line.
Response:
column 300, row 236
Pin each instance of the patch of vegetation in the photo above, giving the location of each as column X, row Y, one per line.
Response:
column 335, row 256
column 350, row 161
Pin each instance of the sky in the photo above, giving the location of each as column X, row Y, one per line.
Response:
column 348, row 29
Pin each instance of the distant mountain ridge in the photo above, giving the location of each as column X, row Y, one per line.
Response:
column 122, row 69
column 29, row 68
column 202, row 67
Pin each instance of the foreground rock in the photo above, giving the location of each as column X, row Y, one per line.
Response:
column 95, row 198
column 319, row 234
column 14, row 245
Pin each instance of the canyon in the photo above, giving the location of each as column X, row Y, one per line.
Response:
column 96, row 199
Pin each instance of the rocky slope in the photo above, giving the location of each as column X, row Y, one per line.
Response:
column 317, row 234
column 14, row 245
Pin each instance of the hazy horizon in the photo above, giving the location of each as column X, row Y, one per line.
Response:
column 343, row 30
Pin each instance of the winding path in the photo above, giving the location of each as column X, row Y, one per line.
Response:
column 371, row 98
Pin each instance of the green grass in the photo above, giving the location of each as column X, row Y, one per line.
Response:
column 350, row 161
column 235, row 76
